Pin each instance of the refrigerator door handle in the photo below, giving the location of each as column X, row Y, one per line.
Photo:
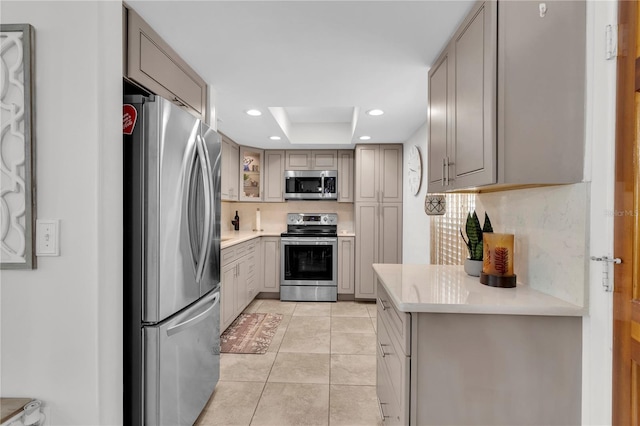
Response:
column 193, row 321
column 206, row 175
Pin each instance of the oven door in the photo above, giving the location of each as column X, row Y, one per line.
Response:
column 309, row 261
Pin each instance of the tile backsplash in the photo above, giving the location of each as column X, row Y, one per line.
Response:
column 273, row 216
column 551, row 242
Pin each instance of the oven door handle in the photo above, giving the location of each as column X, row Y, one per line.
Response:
column 308, row 240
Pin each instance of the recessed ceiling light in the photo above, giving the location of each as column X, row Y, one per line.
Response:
column 365, row 138
column 254, row 112
column 275, row 138
column 375, row 112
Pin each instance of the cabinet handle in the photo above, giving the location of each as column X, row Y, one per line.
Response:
column 384, row 307
column 180, row 101
column 382, row 349
column 444, row 166
column 380, row 404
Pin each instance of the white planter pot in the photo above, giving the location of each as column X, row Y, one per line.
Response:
column 473, row 267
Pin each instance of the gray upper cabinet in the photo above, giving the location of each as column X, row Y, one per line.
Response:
column 345, row 176
column 541, row 92
column 462, row 106
column 325, row 159
column 474, row 148
column 273, row 176
column 152, row 63
column 303, row 159
column 440, row 131
column 506, row 98
column 378, row 173
column 229, row 185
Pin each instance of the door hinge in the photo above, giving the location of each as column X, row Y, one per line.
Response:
column 606, row 283
column 611, row 42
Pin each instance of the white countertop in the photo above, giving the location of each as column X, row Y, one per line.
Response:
column 448, row 289
column 229, row 239
column 232, row 238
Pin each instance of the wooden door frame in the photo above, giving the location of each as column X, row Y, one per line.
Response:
column 626, row 221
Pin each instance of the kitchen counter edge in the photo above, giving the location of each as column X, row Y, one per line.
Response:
column 231, row 239
column 448, row 289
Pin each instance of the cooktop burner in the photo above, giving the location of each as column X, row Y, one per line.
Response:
column 311, row 225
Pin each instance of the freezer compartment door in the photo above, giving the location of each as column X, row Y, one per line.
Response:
column 182, row 363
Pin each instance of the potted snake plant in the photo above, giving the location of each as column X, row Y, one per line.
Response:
column 473, row 264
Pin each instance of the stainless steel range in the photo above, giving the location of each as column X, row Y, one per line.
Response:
column 309, row 265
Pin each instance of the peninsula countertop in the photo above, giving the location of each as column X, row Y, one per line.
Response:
column 448, row 289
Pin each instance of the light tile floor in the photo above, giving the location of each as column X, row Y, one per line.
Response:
column 320, row 370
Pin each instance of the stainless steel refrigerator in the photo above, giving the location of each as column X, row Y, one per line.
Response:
column 171, row 262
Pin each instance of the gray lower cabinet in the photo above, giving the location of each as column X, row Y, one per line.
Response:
column 270, row 280
column 239, row 279
column 346, row 265
column 472, row 369
column 506, row 98
column 273, row 176
column 152, row 63
column 378, row 240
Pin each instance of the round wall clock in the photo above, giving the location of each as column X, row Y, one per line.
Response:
column 415, row 170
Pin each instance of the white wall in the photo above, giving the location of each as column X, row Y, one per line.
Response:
column 61, row 335
column 416, row 232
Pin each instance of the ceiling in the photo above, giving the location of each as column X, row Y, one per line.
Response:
column 313, row 68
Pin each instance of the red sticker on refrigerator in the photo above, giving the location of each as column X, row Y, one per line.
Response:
column 129, row 117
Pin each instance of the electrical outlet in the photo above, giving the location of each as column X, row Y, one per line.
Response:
column 48, row 237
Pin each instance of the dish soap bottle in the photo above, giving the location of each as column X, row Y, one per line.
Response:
column 236, row 222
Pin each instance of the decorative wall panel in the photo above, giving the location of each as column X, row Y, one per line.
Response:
column 17, row 148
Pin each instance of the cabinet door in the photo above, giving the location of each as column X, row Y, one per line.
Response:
column 390, row 246
column 241, row 285
column 346, row 265
column 366, row 170
column 541, row 92
column 440, row 101
column 345, row 176
column 251, row 169
column 298, row 159
column 367, row 225
column 270, row 264
column 229, row 170
column 156, row 66
column 246, row 287
column 228, row 295
column 325, row 159
column 390, row 173
column 474, row 147
column 273, row 176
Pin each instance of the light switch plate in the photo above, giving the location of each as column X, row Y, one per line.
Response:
column 48, row 237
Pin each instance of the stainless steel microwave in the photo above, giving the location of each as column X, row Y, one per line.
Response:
column 311, row 185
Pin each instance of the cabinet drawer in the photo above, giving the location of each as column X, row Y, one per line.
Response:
column 399, row 323
column 388, row 403
column 241, row 250
column 228, row 255
column 251, row 246
column 395, row 362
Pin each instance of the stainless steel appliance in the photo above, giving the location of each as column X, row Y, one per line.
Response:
column 311, row 185
column 171, row 263
column 309, row 261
